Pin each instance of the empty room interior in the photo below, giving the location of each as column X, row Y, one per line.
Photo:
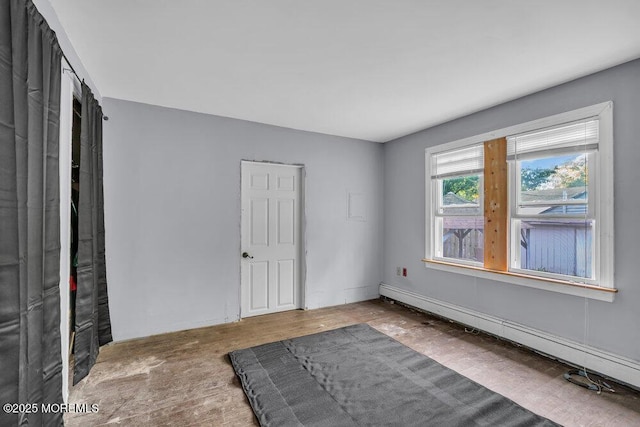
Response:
column 320, row 213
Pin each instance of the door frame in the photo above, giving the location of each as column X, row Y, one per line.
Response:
column 302, row 253
column 70, row 89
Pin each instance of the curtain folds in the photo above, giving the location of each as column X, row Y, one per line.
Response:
column 30, row 356
column 93, row 325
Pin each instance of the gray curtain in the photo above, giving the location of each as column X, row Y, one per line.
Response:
column 93, row 325
column 30, row 359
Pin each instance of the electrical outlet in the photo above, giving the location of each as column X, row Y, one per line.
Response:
column 398, row 271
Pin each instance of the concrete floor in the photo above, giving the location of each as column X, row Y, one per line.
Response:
column 185, row 378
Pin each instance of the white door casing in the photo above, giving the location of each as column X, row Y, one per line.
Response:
column 270, row 238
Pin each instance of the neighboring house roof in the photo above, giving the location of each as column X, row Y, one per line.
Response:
column 453, row 199
column 578, row 193
column 456, row 205
column 554, row 194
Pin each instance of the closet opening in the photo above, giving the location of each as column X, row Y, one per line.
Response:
column 74, row 238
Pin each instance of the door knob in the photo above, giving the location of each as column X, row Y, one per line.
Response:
column 246, row 255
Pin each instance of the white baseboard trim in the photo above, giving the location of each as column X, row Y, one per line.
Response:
column 611, row 365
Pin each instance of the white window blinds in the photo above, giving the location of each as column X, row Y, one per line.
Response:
column 460, row 161
column 576, row 136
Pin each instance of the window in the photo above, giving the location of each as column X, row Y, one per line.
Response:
column 458, row 220
column 542, row 190
column 553, row 208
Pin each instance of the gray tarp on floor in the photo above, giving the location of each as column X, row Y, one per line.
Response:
column 359, row 376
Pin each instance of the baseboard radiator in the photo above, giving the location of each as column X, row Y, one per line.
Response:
column 611, row 365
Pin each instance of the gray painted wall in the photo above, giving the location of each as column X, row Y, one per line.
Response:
column 172, row 215
column 609, row 326
column 49, row 14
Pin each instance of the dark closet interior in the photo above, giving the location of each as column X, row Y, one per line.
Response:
column 75, row 187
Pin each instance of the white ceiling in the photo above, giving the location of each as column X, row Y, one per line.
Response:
column 369, row 69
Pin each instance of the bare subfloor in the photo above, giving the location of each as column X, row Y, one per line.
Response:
column 185, row 378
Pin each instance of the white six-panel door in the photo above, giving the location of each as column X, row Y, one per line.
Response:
column 270, row 263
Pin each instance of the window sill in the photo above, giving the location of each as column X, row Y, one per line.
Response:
column 554, row 285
